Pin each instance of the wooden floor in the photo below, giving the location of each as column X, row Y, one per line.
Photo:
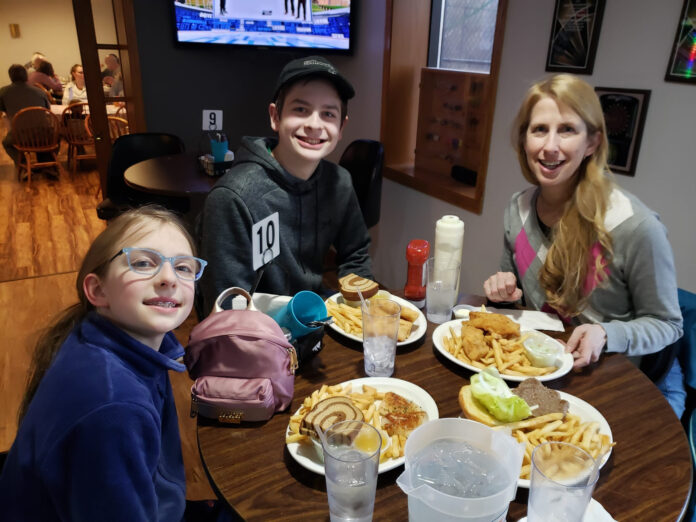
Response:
column 45, row 231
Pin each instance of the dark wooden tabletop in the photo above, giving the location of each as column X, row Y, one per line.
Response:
column 648, row 476
column 175, row 175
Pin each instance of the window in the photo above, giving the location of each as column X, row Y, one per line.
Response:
column 439, row 87
column 461, row 35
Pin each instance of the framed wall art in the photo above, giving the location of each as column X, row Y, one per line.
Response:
column 624, row 114
column 681, row 66
column 574, row 36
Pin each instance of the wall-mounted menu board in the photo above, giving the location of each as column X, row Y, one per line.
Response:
column 453, row 124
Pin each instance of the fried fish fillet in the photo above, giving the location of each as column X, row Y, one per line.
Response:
column 495, row 323
column 399, row 415
column 473, row 342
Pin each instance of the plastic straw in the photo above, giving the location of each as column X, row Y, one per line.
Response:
column 362, row 300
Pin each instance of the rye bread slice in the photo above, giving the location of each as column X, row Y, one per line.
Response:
column 536, row 394
column 327, row 412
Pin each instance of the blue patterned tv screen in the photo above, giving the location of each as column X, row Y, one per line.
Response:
column 308, row 24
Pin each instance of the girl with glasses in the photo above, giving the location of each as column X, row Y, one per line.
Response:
column 98, row 436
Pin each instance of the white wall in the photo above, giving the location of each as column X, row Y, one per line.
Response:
column 48, row 26
column 634, row 45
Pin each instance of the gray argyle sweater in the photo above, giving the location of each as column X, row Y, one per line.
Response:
column 637, row 305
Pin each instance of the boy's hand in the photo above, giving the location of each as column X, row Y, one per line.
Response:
column 502, row 287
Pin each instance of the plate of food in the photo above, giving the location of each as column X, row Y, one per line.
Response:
column 345, row 309
column 395, row 407
column 489, row 339
column 555, row 416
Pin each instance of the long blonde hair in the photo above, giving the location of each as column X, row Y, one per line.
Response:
column 582, row 225
column 125, row 228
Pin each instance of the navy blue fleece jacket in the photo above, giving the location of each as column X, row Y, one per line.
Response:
column 100, row 440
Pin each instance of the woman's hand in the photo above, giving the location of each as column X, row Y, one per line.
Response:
column 502, row 287
column 586, row 343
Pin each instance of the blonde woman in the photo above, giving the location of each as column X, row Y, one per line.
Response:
column 576, row 243
column 75, row 89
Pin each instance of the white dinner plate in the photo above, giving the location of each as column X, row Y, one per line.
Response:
column 418, row 330
column 587, row 413
column 306, row 455
column 442, row 331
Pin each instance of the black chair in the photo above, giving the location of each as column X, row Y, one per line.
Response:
column 128, row 150
column 364, row 160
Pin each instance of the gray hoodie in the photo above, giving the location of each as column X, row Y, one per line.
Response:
column 314, row 215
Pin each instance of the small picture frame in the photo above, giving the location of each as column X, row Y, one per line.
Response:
column 624, row 115
column 681, row 67
column 574, row 36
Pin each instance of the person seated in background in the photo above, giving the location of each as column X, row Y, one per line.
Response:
column 111, row 70
column 15, row 97
column 314, row 198
column 112, row 77
column 578, row 245
column 75, row 89
column 46, row 76
column 33, row 65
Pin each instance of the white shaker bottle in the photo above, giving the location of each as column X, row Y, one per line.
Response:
column 449, row 242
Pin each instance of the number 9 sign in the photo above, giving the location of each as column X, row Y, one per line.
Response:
column 265, row 240
column 212, row 120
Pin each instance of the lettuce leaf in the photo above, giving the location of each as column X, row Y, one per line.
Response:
column 494, row 395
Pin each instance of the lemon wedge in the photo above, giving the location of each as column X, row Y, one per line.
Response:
column 367, row 441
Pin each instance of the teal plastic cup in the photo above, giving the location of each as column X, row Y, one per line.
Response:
column 218, row 150
column 303, row 308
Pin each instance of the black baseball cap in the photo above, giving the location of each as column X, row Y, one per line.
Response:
column 314, row 66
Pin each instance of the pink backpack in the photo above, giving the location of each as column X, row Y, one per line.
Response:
column 243, row 365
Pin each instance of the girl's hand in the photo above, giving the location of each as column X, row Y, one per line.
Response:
column 586, row 343
column 502, row 287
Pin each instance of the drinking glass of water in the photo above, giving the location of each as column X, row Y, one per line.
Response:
column 351, row 459
column 440, row 290
column 380, row 322
column 562, row 480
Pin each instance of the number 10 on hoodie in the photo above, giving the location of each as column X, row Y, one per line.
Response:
column 265, row 240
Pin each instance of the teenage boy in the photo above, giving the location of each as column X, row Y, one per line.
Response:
column 314, row 198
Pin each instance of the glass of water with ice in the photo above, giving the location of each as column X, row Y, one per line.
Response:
column 351, row 458
column 442, row 281
column 562, row 480
column 380, row 322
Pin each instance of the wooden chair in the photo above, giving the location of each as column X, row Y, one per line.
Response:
column 76, row 134
column 121, row 112
column 35, row 130
column 48, row 93
column 117, row 127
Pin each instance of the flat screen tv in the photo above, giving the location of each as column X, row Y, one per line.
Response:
column 325, row 25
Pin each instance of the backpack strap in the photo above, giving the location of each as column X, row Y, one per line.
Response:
column 234, row 290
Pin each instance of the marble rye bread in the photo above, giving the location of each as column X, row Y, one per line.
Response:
column 327, row 412
column 350, row 284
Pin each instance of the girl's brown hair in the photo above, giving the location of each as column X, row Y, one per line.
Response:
column 582, row 225
column 127, row 227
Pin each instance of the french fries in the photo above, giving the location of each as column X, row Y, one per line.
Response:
column 507, row 355
column 553, row 427
column 349, row 319
column 365, row 398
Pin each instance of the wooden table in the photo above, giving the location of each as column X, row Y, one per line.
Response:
column 175, row 175
column 648, row 476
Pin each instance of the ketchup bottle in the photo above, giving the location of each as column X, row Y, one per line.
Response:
column 417, row 253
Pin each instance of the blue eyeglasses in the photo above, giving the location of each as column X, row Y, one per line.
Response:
column 149, row 262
